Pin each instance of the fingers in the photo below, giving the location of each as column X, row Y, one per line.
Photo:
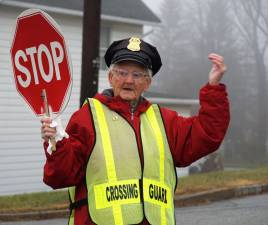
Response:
column 218, row 68
column 47, row 131
column 218, row 61
column 215, row 56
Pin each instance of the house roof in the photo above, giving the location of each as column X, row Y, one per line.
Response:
column 130, row 10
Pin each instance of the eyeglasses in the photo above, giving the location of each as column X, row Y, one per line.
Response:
column 136, row 75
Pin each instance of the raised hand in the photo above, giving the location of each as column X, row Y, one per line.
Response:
column 217, row 70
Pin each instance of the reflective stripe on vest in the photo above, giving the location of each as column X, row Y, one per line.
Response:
column 114, row 170
column 113, row 189
column 71, row 192
column 159, row 178
column 121, row 192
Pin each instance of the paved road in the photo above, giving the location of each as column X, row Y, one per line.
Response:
column 251, row 210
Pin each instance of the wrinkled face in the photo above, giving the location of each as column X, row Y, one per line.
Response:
column 129, row 80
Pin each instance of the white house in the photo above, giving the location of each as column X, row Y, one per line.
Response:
column 21, row 153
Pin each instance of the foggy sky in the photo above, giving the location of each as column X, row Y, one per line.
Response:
column 153, row 5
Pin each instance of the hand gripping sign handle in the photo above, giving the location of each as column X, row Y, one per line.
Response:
column 47, row 113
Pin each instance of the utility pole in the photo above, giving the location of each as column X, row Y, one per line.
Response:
column 90, row 49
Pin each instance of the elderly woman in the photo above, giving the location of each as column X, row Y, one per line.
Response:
column 119, row 150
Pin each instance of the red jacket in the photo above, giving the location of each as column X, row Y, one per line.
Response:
column 189, row 139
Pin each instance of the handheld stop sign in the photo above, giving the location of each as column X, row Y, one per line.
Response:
column 41, row 64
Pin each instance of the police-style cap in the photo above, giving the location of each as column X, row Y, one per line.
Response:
column 134, row 49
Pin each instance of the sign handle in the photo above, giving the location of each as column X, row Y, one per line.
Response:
column 46, row 107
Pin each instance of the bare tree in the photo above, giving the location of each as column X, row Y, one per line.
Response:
column 252, row 22
column 190, row 30
column 212, row 31
column 172, row 40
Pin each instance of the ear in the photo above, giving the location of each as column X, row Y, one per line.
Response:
column 148, row 83
column 110, row 77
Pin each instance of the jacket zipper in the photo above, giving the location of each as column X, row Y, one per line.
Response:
column 132, row 116
column 132, row 113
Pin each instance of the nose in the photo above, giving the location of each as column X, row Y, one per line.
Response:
column 129, row 78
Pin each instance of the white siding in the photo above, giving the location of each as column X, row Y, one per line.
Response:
column 122, row 30
column 103, row 81
column 21, row 152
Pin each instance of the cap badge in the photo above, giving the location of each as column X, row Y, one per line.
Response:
column 134, row 44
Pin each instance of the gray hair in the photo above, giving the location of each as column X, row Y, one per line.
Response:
column 149, row 71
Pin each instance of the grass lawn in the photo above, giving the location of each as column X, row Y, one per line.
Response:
column 192, row 184
column 222, row 179
column 34, row 202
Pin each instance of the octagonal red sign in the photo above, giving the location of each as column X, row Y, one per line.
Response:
column 40, row 61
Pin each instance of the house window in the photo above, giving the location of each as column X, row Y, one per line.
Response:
column 104, row 44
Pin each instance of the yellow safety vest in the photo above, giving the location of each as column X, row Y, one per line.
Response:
column 71, row 192
column 159, row 173
column 119, row 191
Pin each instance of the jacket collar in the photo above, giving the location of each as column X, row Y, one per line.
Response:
column 119, row 105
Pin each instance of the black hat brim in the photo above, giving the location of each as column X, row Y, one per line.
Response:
column 138, row 57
